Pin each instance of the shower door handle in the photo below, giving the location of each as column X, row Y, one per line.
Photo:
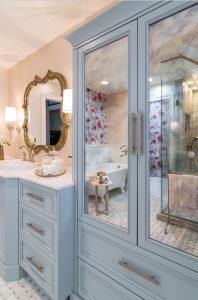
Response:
column 139, row 133
column 131, row 133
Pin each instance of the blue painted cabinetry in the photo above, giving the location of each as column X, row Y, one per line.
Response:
column 124, row 247
column 9, row 261
column 46, row 237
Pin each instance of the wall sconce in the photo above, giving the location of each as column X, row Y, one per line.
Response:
column 67, row 106
column 10, row 117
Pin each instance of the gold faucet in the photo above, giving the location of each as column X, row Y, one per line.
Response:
column 30, row 151
column 124, row 150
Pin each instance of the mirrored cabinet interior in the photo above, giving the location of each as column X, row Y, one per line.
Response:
column 137, row 147
column 106, row 132
column 109, row 73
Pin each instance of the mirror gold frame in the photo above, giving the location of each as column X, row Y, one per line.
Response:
column 64, row 126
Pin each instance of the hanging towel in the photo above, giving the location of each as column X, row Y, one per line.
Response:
column 189, row 196
column 175, row 186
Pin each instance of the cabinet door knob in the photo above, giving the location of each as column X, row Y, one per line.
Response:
column 34, row 228
column 138, row 272
column 34, row 197
column 34, row 264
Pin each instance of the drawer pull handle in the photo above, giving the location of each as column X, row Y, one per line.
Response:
column 40, row 199
column 34, row 264
column 31, row 226
column 138, row 272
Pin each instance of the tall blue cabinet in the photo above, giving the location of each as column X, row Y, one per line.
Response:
column 130, row 249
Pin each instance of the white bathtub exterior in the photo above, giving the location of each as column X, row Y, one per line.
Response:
column 117, row 174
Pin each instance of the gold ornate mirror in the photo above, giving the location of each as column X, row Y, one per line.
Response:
column 44, row 119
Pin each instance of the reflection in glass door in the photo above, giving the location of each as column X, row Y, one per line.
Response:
column 106, row 133
column 173, row 138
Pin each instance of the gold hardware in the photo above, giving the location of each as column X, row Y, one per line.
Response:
column 31, row 226
column 30, row 151
column 138, row 272
column 35, row 197
column 24, row 156
column 34, row 264
column 64, row 127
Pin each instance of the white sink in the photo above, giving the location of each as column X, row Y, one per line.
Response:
column 16, row 164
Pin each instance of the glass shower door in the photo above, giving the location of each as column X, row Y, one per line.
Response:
column 173, row 131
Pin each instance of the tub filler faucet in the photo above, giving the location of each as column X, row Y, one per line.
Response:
column 189, row 146
column 124, row 150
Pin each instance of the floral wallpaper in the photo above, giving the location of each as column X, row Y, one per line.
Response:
column 159, row 138
column 95, row 118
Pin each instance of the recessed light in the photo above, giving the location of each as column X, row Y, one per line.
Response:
column 104, row 82
column 150, row 79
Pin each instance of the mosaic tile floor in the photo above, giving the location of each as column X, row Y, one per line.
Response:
column 177, row 237
column 118, row 209
column 24, row 289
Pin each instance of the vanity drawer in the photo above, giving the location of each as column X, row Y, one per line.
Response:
column 39, row 198
column 38, row 228
column 37, row 265
column 132, row 269
column 94, row 285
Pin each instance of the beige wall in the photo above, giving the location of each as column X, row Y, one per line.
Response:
column 56, row 56
column 3, row 97
column 3, row 101
column 117, row 120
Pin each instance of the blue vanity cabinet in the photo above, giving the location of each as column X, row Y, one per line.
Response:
column 46, row 237
column 9, row 262
column 124, row 95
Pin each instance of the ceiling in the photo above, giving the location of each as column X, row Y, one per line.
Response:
column 109, row 63
column 173, row 48
column 28, row 25
column 170, row 39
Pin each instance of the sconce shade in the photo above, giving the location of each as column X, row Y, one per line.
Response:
column 10, row 114
column 67, row 101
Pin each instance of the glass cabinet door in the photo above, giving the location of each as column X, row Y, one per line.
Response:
column 110, row 201
column 172, row 135
column 106, row 133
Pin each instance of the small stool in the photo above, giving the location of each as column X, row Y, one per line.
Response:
column 106, row 196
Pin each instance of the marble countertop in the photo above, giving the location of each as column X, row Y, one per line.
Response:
column 56, row 183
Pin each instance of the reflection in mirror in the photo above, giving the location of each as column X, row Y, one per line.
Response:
column 44, row 118
column 173, row 137
column 106, row 133
column 40, row 112
column 53, row 122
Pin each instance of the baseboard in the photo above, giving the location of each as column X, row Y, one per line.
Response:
column 11, row 273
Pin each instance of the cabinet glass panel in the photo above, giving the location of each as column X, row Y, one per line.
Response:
column 106, row 133
column 173, row 132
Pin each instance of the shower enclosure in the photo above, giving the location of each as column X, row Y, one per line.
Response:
column 174, row 140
